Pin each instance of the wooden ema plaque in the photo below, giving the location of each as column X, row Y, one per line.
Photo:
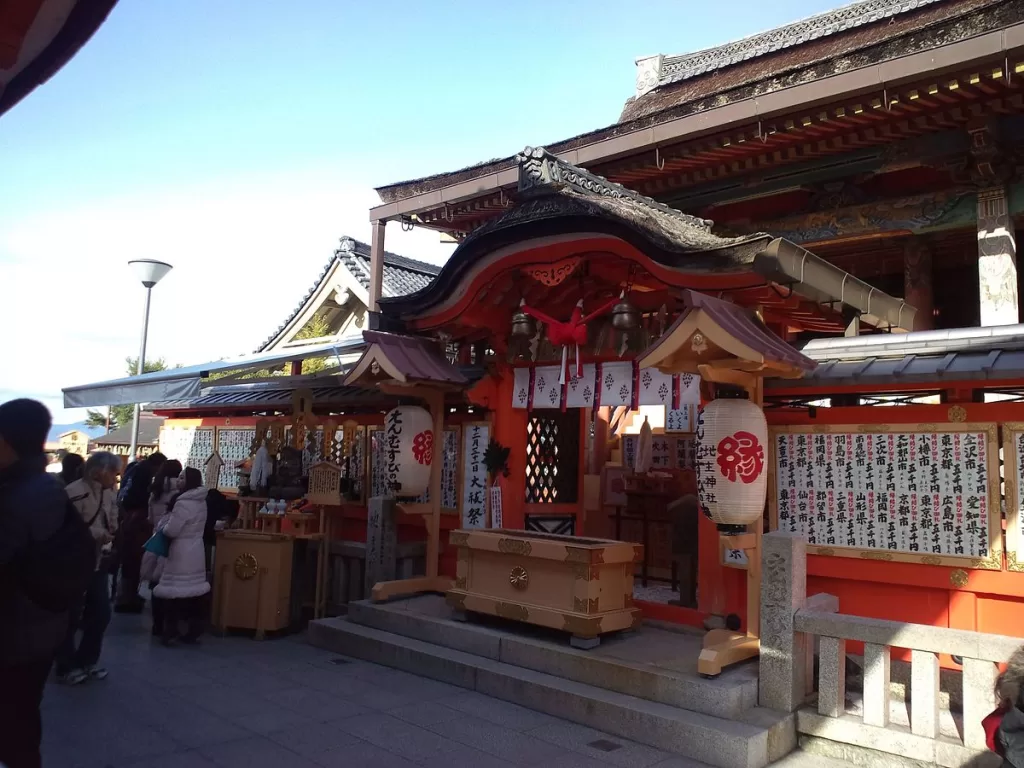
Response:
column 580, row 586
column 325, row 484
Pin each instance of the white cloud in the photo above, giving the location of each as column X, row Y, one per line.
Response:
column 244, row 251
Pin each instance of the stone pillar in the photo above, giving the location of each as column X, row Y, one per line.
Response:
column 917, row 282
column 783, row 662
column 381, row 542
column 997, row 259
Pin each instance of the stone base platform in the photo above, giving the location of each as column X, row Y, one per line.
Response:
column 641, row 685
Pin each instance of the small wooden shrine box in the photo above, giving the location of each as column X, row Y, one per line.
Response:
column 581, row 586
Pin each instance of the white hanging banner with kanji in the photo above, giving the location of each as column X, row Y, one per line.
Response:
column 579, row 392
column 521, row 388
column 655, row 387
column 689, row 389
column 616, row 384
column 547, row 391
column 474, row 475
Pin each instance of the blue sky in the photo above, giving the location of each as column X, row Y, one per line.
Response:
column 239, row 140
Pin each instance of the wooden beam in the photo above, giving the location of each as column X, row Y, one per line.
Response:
column 376, row 264
column 723, row 376
column 414, row 509
column 385, row 590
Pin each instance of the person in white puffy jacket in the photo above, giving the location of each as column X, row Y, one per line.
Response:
column 166, row 485
column 183, row 583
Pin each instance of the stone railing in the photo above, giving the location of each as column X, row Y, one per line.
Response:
column 792, row 622
column 980, row 653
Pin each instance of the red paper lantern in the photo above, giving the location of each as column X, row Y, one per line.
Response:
column 732, row 463
column 408, row 450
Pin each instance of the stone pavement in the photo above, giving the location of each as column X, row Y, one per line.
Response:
column 237, row 703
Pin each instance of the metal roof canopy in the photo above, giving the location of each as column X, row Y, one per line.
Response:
column 184, row 383
column 991, row 354
column 916, row 343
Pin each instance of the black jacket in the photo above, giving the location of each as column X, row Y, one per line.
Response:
column 1011, row 736
column 140, row 481
column 32, row 508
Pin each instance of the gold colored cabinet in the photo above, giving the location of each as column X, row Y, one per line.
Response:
column 252, row 581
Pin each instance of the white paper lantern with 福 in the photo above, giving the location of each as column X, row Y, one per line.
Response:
column 408, row 450
column 732, row 469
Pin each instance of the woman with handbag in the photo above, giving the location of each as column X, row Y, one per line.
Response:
column 183, row 583
column 166, row 485
column 93, row 496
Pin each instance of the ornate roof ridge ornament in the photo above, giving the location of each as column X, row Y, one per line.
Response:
column 541, row 172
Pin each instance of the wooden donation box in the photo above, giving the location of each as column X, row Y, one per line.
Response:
column 252, row 581
column 581, row 586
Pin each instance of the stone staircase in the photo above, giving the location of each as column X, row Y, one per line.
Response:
column 641, row 685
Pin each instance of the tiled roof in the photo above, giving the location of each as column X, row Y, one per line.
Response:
column 741, row 325
column 267, row 396
column 415, row 357
column 994, row 354
column 224, row 397
column 686, row 66
column 149, row 432
column 401, row 276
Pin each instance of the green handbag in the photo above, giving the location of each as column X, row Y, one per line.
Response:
column 159, row 544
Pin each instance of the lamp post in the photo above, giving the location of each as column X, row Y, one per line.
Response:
column 150, row 272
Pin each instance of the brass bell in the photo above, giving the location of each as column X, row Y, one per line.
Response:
column 523, row 326
column 625, row 316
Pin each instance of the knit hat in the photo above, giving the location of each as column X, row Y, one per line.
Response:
column 24, row 425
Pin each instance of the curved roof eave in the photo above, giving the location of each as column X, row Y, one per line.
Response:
column 672, row 244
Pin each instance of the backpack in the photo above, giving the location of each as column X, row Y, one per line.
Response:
column 55, row 573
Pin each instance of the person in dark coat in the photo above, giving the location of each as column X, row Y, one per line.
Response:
column 71, row 468
column 135, row 530
column 32, row 510
column 1004, row 728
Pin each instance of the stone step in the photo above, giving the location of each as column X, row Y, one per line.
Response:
column 752, row 742
column 621, row 664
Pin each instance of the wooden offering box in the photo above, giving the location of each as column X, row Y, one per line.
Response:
column 581, row 586
column 252, row 581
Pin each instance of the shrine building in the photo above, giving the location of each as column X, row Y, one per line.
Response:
column 781, row 290
column 878, row 144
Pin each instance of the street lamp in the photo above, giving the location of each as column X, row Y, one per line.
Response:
column 150, row 272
